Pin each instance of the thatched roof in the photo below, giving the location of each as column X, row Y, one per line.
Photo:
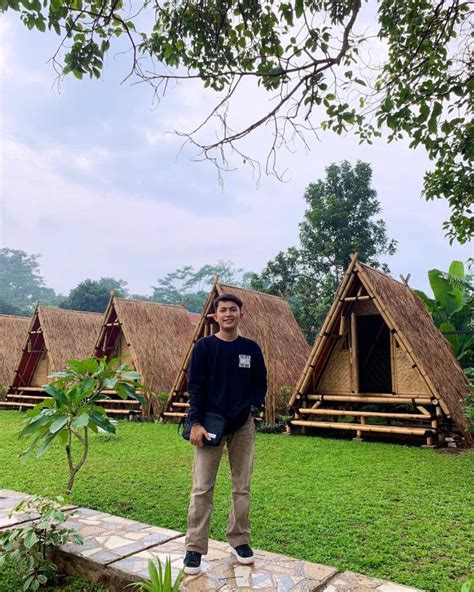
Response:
column 63, row 334
column 158, row 336
column 269, row 321
column 407, row 317
column 194, row 317
column 13, row 330
column 69, row 334
column 431, row 351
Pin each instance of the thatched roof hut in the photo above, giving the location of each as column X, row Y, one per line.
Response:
column 269, row 321
column 379, row 347
column 55, row 336
column 13, row 330
column 153, row 337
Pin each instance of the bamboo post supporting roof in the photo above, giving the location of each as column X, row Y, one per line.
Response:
column 13, row 331
column 62, row 334
column 413, row 327
column 269, row 321
column 158, row 336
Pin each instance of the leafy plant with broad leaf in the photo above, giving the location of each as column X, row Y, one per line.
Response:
column 29, row 545
column 161, row 579
column 452, row 309
column 72, row 410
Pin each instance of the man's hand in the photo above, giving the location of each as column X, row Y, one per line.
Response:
column 198, row 432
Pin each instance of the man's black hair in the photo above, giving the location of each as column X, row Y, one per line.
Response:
column 228, row 298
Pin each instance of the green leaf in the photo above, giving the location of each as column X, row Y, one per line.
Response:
column 57, row 394
column 58, row 424
column 30, row 539
column 81, row 422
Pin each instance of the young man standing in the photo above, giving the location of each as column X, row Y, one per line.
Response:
column 227, row 375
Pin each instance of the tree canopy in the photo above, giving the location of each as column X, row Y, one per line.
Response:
column 21, row 284
column 321, row 70
column 342, row 218
column 189, row 288
column 94, row 295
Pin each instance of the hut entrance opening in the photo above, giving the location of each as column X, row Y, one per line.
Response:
column 373, row 352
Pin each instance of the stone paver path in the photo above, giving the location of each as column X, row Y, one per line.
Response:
column 116, row 552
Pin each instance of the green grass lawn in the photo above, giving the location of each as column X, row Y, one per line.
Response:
column 385, row 510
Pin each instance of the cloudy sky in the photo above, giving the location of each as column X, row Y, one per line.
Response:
column 92, row 180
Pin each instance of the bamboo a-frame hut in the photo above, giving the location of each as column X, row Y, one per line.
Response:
column 379, row 365
column 54, row 336
column 13, row 330
column 152, row 337
column 269, row 321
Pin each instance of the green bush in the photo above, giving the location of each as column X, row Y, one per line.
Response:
column 29, row 545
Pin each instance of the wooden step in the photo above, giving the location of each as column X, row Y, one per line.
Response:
column 175, row 404
column 27, row 398
column 369, row 399
column 419, row 416
column 173, row 414
column 122, row 411
column 385, row 429
column 16, row 404
column 131, row 402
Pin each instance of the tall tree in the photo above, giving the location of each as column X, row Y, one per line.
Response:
column 21, row 284
column 189, row 288
column 312, row 56
column 93, row 295
column 342, row 218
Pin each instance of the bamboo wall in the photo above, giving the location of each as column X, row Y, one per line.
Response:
column 337, row 376
column 42, row 371
column 408, row 379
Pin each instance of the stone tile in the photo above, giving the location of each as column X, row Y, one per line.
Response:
column 353, row 582
column 221, row 571
column 110, row 538
column 8, row 500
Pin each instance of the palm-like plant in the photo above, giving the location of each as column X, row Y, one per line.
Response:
column 161, row 580
column 452, row 309
column 72, row 409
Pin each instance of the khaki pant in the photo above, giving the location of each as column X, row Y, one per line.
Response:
column 240, row 445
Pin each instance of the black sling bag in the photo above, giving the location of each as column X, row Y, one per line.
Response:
column 213, row 423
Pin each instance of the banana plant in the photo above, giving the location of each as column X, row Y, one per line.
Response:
column 72, row 410
column 452, row 309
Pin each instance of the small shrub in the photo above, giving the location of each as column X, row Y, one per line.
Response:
column 270, row 428
column 72, row 410
column 29, row 545
column 469, row 401
column 161, row 579
column 468, row 585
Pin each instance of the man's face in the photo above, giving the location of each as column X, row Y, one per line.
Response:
column 228, row 315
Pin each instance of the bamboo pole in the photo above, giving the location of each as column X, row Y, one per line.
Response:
column 364, row 414
column 320, row 339
column 342, row 326
column 363, row 428
column 393, row 370
column 356, row 298
column 365, row 399
column 354, row 352
column 441, row 433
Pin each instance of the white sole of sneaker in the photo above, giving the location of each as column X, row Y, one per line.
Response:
column 242, row 560
column 192, row 571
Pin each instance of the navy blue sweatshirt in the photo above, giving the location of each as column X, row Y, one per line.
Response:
column 227, row 377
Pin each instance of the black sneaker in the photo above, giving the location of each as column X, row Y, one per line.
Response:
column 192, row 563
column 244, row 554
